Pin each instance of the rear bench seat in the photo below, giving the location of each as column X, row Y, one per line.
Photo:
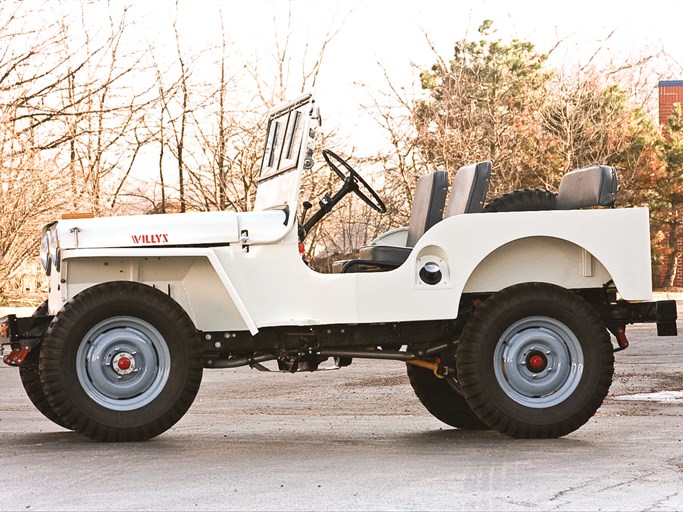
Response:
column 590, row 186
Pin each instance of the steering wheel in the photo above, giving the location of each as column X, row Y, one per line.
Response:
column 353, row 181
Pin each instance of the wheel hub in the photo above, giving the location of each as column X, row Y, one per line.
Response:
column 536, row 362
column 124, row 363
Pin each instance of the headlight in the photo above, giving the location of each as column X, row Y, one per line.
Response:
column 45, row 258
column 55, row 250
column 50, row 252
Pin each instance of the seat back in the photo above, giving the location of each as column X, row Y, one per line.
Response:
column 467, row 196
column 428, row 204
column 469, row 189
column 591, row 186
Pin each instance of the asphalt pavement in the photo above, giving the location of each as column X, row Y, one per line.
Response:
column 356, row 439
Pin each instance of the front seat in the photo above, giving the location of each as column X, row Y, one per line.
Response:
column 467, row 196
column 428, row 205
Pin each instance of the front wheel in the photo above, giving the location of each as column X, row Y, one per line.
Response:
column 121, row 362
column 535, row 361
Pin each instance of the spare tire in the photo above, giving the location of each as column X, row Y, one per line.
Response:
column 525, row 199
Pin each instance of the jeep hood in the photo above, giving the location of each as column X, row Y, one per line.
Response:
column 196, row 228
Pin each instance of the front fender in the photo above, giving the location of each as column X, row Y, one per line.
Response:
column 193, row 277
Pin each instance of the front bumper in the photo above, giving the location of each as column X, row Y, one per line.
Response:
column 22, row 335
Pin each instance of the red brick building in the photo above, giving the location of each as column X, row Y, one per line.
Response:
column 670, row 92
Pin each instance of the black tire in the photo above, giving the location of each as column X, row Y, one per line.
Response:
column 441, row 399
column 30, row 379
column 518, row 358
column 523, row 200
column 121, row 361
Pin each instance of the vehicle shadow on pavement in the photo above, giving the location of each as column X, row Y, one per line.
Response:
column 180, row 441
column 68, row 440
column 448, row 436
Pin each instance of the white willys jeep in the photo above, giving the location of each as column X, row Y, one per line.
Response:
column 503, row 312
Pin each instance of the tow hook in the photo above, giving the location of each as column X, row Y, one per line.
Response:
column 18, row 355
column 619, row 332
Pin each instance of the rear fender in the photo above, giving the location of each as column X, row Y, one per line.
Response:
column 575, row 249
column 538, row 259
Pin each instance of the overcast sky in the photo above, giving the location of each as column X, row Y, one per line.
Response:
column 393, row 33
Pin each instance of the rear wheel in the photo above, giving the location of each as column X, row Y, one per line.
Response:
column 443, row 399
column 523, row 200
column 535, row 361
column 121, row 362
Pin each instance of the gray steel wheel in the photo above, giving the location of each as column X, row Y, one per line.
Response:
column 538, row 362
column 123, row 363
column 535, row 361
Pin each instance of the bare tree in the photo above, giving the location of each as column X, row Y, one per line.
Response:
column 67, row 117
column 224, row 126
column 29, row 191
column 105, row 116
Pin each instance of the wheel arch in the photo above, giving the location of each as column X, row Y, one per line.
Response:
column 538, row 259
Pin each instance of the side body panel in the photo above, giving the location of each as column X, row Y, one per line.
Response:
column 249, row 286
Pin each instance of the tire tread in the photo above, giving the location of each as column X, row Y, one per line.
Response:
column 524, row 199
column 441, row 400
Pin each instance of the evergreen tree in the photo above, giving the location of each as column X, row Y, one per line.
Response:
column 485, row 104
